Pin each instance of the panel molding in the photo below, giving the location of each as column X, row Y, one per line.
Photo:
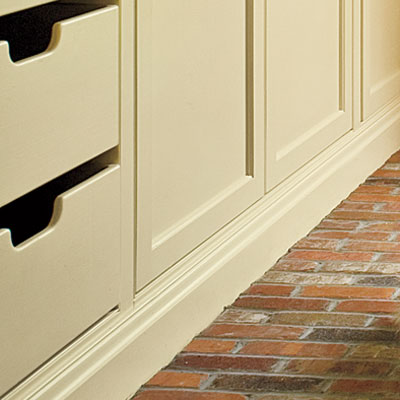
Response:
column 250, row 132
column 304, row 137
column 158, row 253
column 184, row 223
column 308, row 143
column 374, row 95
column 342, row 54
column 127, row 352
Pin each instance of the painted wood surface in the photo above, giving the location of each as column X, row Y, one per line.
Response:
column 62, row 280
column 59, row 108
column 200, row 145
column 309, row 81
column 381, row 54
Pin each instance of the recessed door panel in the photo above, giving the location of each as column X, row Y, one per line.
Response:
column 197, row 164
column 308, row 81
column 381, row 54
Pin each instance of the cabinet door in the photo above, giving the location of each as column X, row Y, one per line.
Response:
column 381, row 53
column 200, row 137
column 309, row 64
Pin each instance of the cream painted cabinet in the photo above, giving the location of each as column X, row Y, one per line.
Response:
column 60, row 127
column 59, row 282
column 158, row 156
column 60, row 226
column 381, row 54
column 309, row 81
column 200, row 134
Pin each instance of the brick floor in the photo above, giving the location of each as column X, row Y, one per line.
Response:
column 318, row 325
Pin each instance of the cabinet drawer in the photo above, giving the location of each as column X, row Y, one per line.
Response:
column 59, row 108
column 62, row 280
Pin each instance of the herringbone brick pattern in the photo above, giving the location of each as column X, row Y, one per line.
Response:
column 318, row 325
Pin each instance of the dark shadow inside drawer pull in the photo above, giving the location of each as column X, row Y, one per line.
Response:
column 31, row 213
column 28, row 32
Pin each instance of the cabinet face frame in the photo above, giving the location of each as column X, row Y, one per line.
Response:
column 283, row 159
column 374, row 95
column 156, row 254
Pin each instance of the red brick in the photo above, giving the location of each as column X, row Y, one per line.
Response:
column 367, row 306
column 376, row 351
column 281, row 303
column 253, row 331
column 365, row 386
column 328, row 255
column 224, row 362
column 340, row 225
column 390, row 257
column 351, row 292
column 295, row 349
column 210, row 346
column 295, row 265
column 373, row 189
column 185, row 395
column 361, row 268
column 338, row 367
column 296, row 278
column 372, row 246
column 375, row 198
column 375, row 236
column 382, row 181
column 233, row 315
column 319, row 319
column 382, row 226
column 386, row 173
column 320, row 244
column 365, row 216
column 265, row 383
column 395, row 158
column 379, row 281
column 270, row 290
column 349, row 205
column 292, row 397
column 177, row 379
column 348, row 335
column 395, row 207
column 383, row 322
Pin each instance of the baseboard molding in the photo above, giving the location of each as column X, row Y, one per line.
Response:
column 162, row 322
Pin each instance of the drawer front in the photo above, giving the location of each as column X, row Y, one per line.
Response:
column 59, row 108
column 59, row 282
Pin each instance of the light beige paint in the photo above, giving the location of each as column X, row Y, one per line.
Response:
column 309, row 82
column 62, row 280
column 219, row 222
column 200, row 160
column 381, row 53
column 145, row 341
column 69, row 97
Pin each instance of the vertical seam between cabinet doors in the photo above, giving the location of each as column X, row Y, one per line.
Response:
column 265, row 56
column 353, row 58
column 135, row 141
column 342, row 55
column 249, row 29
column 121, row 280
column 362, row 55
